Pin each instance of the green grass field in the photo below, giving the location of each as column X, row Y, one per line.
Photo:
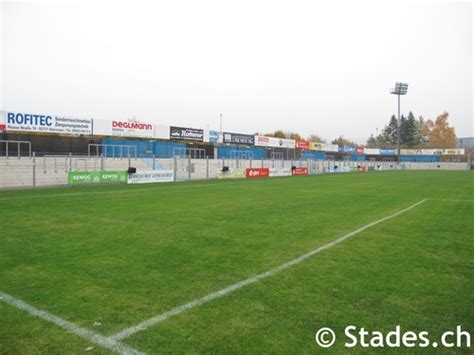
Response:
column 108, row 258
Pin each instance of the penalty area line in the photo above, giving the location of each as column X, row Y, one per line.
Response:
column 200, row 301
column 84, row 333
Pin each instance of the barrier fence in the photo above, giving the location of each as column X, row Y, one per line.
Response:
column 55, row 170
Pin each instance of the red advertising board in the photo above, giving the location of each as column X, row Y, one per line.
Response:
column 257, row 172
column 299, row 171
column 360, row 150
column 302, row 145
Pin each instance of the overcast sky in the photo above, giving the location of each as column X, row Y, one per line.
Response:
column 304, row 66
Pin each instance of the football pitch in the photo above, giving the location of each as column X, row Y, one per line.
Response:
column 235, row 266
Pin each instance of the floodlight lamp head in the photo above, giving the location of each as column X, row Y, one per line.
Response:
column 400, row 89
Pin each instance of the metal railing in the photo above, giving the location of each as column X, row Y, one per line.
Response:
column 18, row 145
column 103, row 149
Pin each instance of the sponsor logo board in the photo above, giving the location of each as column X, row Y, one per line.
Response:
column 257, row 172
column 96, row 177
column 302, row 144
column 231, row 174
column 153, row 176
column 186, row 134
column 38, row 123
column 264, row 141
column 239, row 138
column 299, row 171
column 280, row 172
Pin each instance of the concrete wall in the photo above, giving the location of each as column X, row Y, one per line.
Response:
column 53, row 170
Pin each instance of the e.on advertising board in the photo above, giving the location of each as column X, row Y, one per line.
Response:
column 251, row 173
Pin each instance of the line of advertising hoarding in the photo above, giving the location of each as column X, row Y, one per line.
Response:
column 131, row 127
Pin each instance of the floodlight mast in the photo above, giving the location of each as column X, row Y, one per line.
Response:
column 400, row 89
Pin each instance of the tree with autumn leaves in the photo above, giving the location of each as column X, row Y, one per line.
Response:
column 416, row 133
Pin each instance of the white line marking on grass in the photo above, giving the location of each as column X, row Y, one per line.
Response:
column 450, row 200
column 87, row 334
column 197, row 302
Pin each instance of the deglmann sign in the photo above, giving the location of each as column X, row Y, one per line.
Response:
column 44, row 123
column 124, row 128
column 186, row 134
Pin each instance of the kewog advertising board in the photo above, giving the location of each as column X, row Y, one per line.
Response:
column 239, row 138
column 45, row 123
column 186, row 134
column 97, row 177
column 148, row 177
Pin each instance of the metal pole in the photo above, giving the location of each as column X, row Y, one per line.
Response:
column 154, row 162
column 398, row 130
column 175, row 168
column 18, row 147
column 207, row 167
column 189, row 167
column 34, row 169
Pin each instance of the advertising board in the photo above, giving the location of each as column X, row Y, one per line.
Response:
column 96, row 177
column 231, row 174
column 186, row 134
column 264, row 141
column 125, row 128
column 372, row 151
column 280, row 172
column 153, row 176
column 257, row 173
column 239, row 138
column 324, row 147
column 39, row 123
column 3, row 126
column 387, row 151
column 214, row 137
column 302, row 145
column 299, row 171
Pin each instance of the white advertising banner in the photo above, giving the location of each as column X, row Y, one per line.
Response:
column 421, row 151
column 454, row 151
column 324, row 147
column 280, row 172
column 123, row 128
column 372, row 151
column 263, row 141
column 44, row 123
column 148, row 177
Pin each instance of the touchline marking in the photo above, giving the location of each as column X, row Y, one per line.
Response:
column 450, row 200
column 197, row 302
column 87, row 334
